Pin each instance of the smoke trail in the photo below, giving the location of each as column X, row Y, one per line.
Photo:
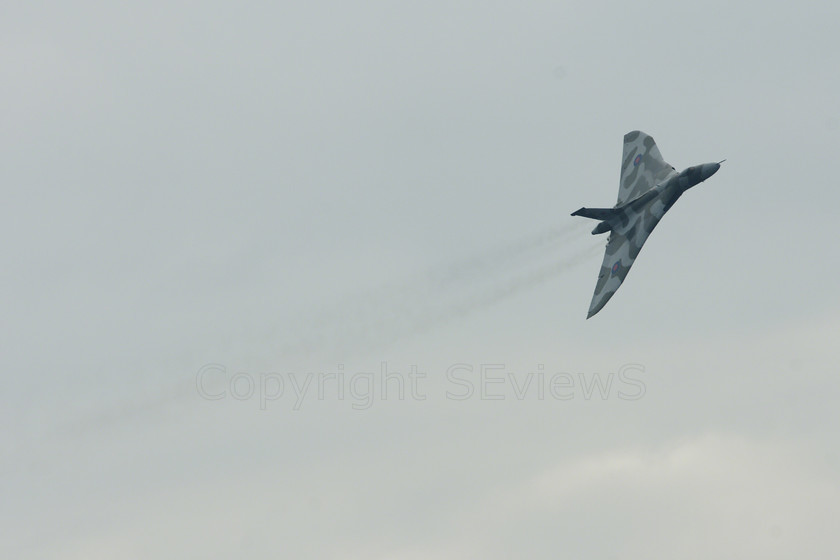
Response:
column 354, row 324
column 416, row 305
column 525, row 282
column 461, row 308
column 393, row 315
column 506, row 254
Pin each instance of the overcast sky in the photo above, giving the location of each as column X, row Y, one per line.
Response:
column 235, row 235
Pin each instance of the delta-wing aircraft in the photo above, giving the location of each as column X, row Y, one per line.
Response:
column 649, row 187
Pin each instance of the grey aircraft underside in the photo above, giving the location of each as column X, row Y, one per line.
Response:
column 649, row 187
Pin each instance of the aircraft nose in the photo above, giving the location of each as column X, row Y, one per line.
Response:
column 709, row 169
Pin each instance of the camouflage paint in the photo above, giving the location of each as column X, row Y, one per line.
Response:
column 648, row 188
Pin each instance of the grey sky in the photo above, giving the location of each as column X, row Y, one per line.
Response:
column 294, row 189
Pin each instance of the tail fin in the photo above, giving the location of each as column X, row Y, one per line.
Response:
column 606, row 215
column 596, row 213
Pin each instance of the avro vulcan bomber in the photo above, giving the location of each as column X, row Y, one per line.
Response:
column 649, row 187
